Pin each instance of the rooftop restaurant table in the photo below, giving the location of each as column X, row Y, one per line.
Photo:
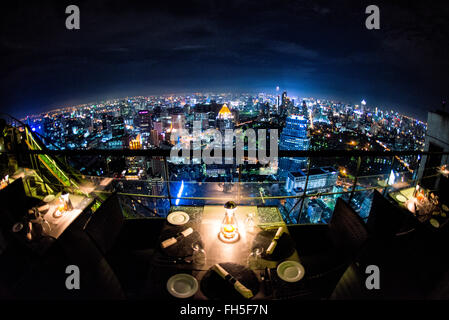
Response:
column 427, row 212
column 207, row 222
column 60, row 224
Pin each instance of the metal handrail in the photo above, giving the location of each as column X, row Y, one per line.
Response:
column 281, row 153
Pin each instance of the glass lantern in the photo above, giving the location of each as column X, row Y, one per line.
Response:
column 229, row 227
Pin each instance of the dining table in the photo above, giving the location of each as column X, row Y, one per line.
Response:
column 424, row 206
column 48, row 222
column 59, row 222
column 235, row 257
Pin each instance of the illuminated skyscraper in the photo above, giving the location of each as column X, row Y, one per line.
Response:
column 144, row 121
column 293, row 137
column 362, row 106
column 225, row 119
column 284, row 98
column 305, row 111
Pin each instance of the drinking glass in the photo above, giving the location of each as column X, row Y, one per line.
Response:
column 250, row 224
column 255, row 258
column 46, row 228
column 199, row 254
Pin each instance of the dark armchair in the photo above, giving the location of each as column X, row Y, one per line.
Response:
column 327, row 250
column 128, row 245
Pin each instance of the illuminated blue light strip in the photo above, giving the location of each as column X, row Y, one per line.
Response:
column 180, row 192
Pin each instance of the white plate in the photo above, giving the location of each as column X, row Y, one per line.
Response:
column 401, row 198
column 49, row 198
column 290, row 271
column 182, row 285
column 178, row 218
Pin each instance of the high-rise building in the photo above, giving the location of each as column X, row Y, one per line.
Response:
column 178, row 121
column 154, row 138
column 305, row 111
column 284, row 98
column 320, row 179
column 118, row 128
column 362, row 106
column 293, row 137
column 436, row 140
column 144, row 121
column 225, row 119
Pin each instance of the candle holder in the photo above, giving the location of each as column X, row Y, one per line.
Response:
column 229, row 228
column 67, row 203
column 444, row 170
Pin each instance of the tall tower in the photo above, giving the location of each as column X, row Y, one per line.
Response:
column 284, row 98
column 225, row 119
column 278, row 100
column 305, row 111
column 362, row 106
column 293, row 137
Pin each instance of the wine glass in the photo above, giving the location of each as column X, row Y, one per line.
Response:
column 255, row 258
column 199, row 254
column 46, row 228
column 250, row 224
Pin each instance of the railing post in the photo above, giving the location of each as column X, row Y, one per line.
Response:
column 167, row 180
column 388, row 177
column 239, row 185
column 303, row 198
column 359, row 162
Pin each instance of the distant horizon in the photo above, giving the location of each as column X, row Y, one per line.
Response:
column 91, row 101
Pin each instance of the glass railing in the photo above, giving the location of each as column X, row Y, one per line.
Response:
column 304, row 191
column 153, row 197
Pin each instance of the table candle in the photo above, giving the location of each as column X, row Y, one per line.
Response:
column 411, row 205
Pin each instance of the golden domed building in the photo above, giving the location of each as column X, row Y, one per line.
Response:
column 225, row 119
column 225, row 113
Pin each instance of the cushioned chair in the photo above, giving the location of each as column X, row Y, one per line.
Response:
column 327, row 250
column 385, row 220
column 98, row 278
column 351, row 285
column 441, row 289
column 347, row 229
column 14, row 198
column 128, row 245
column 105, row 224
column 391, row 231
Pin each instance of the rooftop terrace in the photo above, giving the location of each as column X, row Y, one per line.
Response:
column 114, row 227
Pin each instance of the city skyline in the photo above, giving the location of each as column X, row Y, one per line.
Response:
column 106, row 101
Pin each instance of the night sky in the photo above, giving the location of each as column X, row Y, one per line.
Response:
column 309, row 48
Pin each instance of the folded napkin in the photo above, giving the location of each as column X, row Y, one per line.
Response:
column 244, row 291
column 279, row 233
column 171, row 241
column 274, row 241
column 43, row 208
